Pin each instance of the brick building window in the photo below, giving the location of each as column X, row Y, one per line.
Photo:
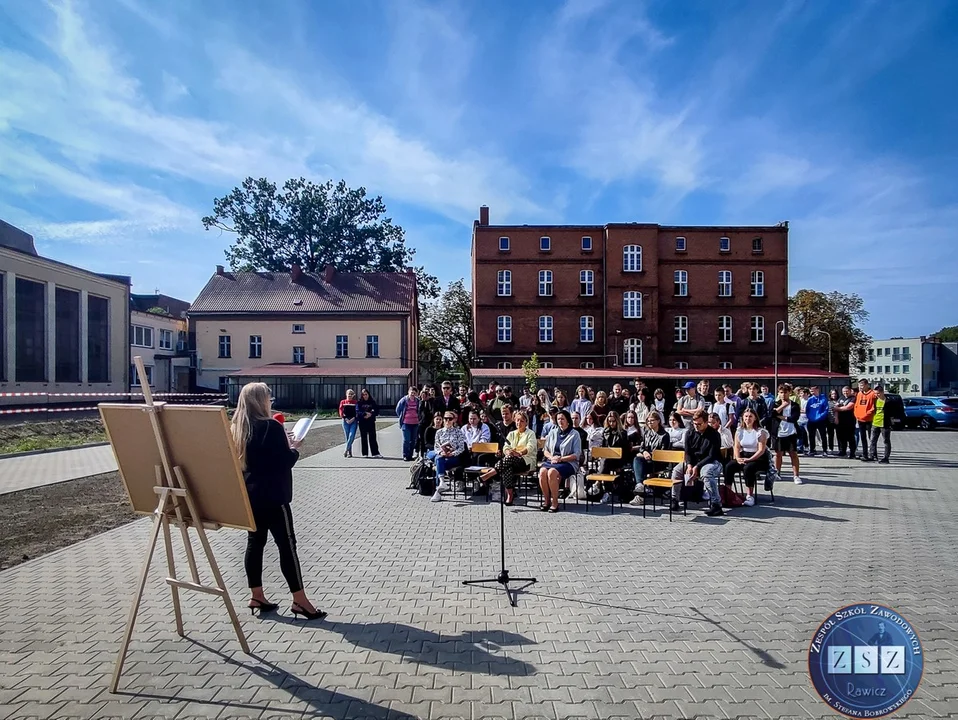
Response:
column 504, row 283
column 504, row 326
column 586, row 243
column 757, row 245
column 681, row 334
column 299, row 354
column 632, row 258
column 758, row 283
column 681, row 366
column 504, row 366
column 587, row 329
column 725, row 328
column 632, row 305
column 586, row 365
column 256, row 346
column 586, row 283
column 545, row 283
column 632, row 351
column 545, row 244
column 758, row 329
column 725, row 245
column 725, row 283
column 503, row 244
column 680, row 279
column 680, row 244
column 545, row 328
column 725, row 366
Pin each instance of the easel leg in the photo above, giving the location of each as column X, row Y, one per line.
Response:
column 171, row 566
column 131, row 620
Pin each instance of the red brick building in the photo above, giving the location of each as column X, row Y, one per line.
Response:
column 628, row 295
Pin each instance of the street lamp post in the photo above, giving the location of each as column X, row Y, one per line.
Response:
column 816, row 331
column 617, row 333
column 783, row 333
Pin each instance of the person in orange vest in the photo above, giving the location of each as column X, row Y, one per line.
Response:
column 865, row 413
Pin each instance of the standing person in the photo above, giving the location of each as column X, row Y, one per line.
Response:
column 702, row 461
column 561, row 452
column 767, row 396
column 489, row 394
column 518, row 455
column 581, row 403
column 447, row 401
column 407, row 410
column 881, row 425
column 725, row 409
column 367, row 410
column 801, row 397
column 266, row 457
column 707, row 398
column 427, row 410
column 543, row 396
column 864, row 414
column 757, row 403
column 618, row 403
column 817, row 411
column 347, row 411
column 845, row 427
column 832, row 423
column 689, row 403
column 785, row 436
column 748, row 454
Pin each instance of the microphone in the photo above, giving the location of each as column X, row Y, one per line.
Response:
column 280, row 418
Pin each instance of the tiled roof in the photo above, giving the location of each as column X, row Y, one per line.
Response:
column 282, row 370
column 269, row 292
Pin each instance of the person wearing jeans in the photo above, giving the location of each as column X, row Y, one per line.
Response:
column 347, row 411
column 407, row 410
column 702, row 462
column 881, row 425
column 865, row 413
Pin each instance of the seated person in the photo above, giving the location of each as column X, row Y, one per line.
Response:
column 451, row 450
column 715, row 422
column 518, row 455
column 474, row 430
column 749, row 454
column 561, row 453
column 613, row 436
column 429, row 436
column 702, row 462
column 676, row 431
column 487, row 421
column 654, row 437
column 549, row 424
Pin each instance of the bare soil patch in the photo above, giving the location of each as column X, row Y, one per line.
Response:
column 40, row 520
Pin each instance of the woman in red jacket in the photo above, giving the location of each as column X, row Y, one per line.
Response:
column 347, row 411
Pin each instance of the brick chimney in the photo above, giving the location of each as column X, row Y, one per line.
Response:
column 295, row 273
column 328, row 273
column 483, row 214
column 219, row 270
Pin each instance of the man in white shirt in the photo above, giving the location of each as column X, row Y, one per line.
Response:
column 526, row 399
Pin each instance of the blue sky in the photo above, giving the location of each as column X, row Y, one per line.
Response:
column 121, row 120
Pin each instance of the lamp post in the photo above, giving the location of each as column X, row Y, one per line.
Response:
column 816, row 331
column 783, row 333
column 617, row 333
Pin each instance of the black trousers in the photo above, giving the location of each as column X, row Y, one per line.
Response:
column 367, row 434
column 817, row 429
column 865, row 434
column 749, row 469
column 830, row 428
column 846, row 438
column 278, row 521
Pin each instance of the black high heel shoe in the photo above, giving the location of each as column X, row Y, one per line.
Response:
column 298, row 610
column 263, row 607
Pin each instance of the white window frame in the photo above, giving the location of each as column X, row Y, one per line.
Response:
column 632, row 305
column 299, row 329
column 725, row 366
column 680, row 244
column 632, row 258
column 545, row 283
column 166, row 339
column 546, row 365
column 758, row 246
column 725, row 328
column 141, row 336
column 586, row 283
column 680, row 283
column 587, row 328
column 586, row 243
column 725, row 245
column 758, row 328
column 300, row 351
column 504, row 366
column 758, row 283
column 504, row 328
column 504, row 246
column 545, row 244
column 632, row 351
column 680, row 365
column 725, row 283
column 223, row 383
column 546, row 329
column 227, row 342
column 504, row 283
column 372, row 343
column 135, row 382
column 587, row 365
column 255, row 344
column 342, row 347
column 680, row 329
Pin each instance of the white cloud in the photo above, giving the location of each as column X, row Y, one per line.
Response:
column 173, row 88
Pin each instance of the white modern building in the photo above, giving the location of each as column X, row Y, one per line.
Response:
column 909, row 366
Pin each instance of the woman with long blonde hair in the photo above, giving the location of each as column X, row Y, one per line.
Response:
column 267, row 457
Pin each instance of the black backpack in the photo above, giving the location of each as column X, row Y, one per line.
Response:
column 422, row 477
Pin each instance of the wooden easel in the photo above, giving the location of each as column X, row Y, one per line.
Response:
column 173, row 491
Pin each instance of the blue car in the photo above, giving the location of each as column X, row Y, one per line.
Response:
column 930, row 412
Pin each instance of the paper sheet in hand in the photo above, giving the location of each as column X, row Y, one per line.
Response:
column 302, row 427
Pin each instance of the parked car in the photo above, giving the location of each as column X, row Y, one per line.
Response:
column 895, row 409
column 929, row 412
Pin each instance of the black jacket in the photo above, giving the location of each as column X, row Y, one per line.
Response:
column 269, row 465
column 442, row 405
column 702, row 448
column 367, row 406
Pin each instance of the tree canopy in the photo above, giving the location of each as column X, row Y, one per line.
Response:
column 447, row 326
column 312, row 226
column 948, row 334
column 838, row 314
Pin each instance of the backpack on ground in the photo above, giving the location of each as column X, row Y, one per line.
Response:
column 772, row 475
column 422, row 477
column 730, row 498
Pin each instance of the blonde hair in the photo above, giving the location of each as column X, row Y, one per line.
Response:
column 254, row 404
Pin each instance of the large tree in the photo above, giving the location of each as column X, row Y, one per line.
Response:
column 312, row 226
column 948, row 334
column 447, row 326
column 838, row 314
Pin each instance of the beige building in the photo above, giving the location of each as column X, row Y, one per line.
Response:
column 334, row 329
column 158, row 334
column 62, row 329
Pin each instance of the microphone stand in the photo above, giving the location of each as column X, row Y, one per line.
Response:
column 503, row 578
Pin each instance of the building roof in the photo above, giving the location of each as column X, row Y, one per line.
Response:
column 275, row 292
column 172, row 306
column 791, row 371
column 17, row 239
column 285, row 370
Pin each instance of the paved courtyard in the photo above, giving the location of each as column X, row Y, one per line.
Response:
column 631, row 618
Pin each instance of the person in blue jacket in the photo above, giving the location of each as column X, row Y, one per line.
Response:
column 816, row 410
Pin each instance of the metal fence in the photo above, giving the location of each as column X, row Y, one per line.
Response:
column 322, row 394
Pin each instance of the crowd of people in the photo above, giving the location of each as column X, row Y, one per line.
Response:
column 722, row 432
